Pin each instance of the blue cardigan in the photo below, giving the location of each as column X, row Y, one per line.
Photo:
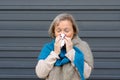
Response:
column 78, row 60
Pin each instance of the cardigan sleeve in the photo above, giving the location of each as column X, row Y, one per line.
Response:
column 87, row 69
column 44, row 66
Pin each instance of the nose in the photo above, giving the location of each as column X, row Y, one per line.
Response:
column 62, row 32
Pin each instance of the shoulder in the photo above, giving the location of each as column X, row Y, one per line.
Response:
column 84, row 43
column 45, row 51
column 84, row 46
column 79, row 42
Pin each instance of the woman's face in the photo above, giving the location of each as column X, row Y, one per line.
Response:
column 64, row 27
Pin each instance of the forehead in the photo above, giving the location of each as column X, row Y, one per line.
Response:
column 64, row 23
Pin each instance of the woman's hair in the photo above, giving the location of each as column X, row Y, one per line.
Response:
column 62, row 17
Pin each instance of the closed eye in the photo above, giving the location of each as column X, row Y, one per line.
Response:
column 58, row 30
column 66, row 30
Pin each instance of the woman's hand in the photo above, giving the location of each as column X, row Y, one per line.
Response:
column 69, row 44
column 57, row 45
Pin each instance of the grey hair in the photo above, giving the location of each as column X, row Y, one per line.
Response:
column 61, row 17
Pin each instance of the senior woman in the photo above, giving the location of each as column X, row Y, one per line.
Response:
column 66, row 57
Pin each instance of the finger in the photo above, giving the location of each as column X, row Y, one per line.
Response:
column 58, row 43
column 68, row 39
column 57, row 39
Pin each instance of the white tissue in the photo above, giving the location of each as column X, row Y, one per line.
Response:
column 63, row 42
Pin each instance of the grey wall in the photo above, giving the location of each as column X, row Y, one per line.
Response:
column 23, row 31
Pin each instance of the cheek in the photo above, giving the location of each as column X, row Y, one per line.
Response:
column 70, row 35
column 56, row 34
